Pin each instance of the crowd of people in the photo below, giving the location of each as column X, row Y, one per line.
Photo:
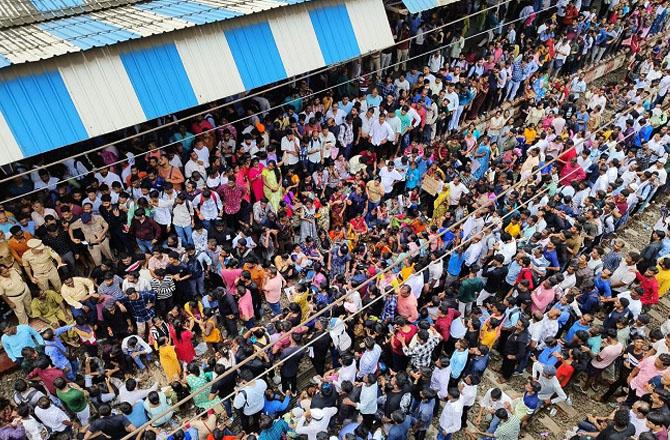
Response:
column 444, row 214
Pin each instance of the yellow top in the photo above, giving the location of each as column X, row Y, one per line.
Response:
column 663, row 278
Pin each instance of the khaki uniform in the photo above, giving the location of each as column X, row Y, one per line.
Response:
column 43, row 266
column 6, row 257
column 81, row 288
column 49, row 309
column 17, row 292
column 93, row 233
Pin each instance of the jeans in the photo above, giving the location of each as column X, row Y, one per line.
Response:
column 91, row 315
column 276, row 308
column 184, row 234
column 512, row 89
column 84, row 415
column 145, row 245
column 456, row 117
column 441, row 436
column 71, row 373
column 138, row 360
column 198, row 285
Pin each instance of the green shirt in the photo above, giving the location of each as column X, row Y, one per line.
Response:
column 470, row 288
column 510, row 429
column 73, row 399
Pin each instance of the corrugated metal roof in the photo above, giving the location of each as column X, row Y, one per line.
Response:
column 58, row 36
column 415, row 6
column 47, row 105
column 21, row 12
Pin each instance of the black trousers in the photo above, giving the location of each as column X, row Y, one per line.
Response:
column 289, row 383
column 507, row 368
column 249, row 423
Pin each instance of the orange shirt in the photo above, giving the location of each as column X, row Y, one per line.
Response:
column 19, row 247
column 257, row 274
column 171, row 174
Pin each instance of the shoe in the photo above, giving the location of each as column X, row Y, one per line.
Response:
column 568, row 401
column 552, row 412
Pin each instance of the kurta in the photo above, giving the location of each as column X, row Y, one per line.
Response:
column 169, row 362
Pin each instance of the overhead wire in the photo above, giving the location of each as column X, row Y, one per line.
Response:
column 340, row 300
column 250, row 96
column 487, row 229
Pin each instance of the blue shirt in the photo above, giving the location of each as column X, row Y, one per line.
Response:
column 603, row 287
column 373, row 101
column 56, row 350
column 457, row 362
column 25, row 336
column 274, row 407
column 456, row 260
column 546, row 356
column 577, row 326
column 513, row 272
column 552, row 256
column 138, row 417
column 276, row 431
column 400, row 431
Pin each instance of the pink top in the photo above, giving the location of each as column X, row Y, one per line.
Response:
column 256, row 181
column 246, row 306
column 184, row 346
column 272, row 288
column 647, row 370
column 541, row 298
column 407, row 307
column 607, row 355
column 229, row 276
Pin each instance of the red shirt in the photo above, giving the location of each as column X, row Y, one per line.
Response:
column 564, row 374
column 396, row 346
column 650, row 287
column 231, row 197
column 571, row 172
column 48, row 375
column 443, row 323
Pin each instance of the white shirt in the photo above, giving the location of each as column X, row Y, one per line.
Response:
column 52, row 417
column 251, row 401
column 191, row 166
column 415, row 282
column 292, row 147
column 453, row 101
column 318, row 423
column 597, row 100
column 562, row 50
column 388, row 178
column 380, row 132
column 108, row 179
column 314, row 150
column 436, row 269
column 664, row 85
column 468, row 394
column 450, row 419
column 439, row 381
column 135, row 395
column 455, row 192
column 488, row 403
column 368, row 399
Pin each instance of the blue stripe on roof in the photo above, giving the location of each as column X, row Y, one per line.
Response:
column 40, row 113
column 85, row 32
column 256, row 55
column 55, row 5
column 189, row 10
column 414, row 6
column 159, row 80
column 334, row 33
column 4, row 61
